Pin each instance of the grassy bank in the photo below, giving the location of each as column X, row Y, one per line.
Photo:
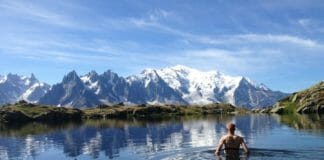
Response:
column 24, row 112
column 156, row 111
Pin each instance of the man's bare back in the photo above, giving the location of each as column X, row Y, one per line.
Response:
column 231, row 142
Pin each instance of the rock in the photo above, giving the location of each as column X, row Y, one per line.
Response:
column 265, row 110
column 321, row 109
column 278, row 110
column 12, row 116
column 59, row 115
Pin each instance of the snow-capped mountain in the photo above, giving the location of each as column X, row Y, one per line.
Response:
column 200, row 87
column 197, row 87
column 149, row 87
column 109, row 87
column 14, row 88
column 173, row 85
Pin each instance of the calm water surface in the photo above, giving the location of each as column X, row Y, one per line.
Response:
column 269, row 137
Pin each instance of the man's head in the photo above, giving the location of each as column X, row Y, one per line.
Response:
column 230, row 127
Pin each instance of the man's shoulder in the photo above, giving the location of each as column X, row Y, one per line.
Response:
column 240, row 138
column 224, row 137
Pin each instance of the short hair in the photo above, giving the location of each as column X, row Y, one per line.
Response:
column 230, row 126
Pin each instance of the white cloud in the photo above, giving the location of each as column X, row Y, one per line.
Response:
column 152, row 19
column 158, row 14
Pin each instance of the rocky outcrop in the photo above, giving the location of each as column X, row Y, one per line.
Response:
column 24, row 112
column 13, row 116
column 310, row 100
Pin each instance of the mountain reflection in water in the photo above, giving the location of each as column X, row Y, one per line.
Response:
column 271, row 137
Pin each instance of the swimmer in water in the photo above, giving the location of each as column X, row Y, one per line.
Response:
column 232, row 143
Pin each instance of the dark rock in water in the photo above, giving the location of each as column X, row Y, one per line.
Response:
column 321, row 108
column 13, row 116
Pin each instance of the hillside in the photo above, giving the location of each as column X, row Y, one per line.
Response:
column 310, row 100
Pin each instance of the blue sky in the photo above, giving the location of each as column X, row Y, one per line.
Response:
column 278, row 43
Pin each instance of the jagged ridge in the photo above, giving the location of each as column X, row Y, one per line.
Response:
column 174, row 85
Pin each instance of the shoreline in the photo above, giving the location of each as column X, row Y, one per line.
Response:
column 23, row 112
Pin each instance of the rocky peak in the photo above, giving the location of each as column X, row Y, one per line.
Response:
column 32, row 80
column 92, row 76
column 72, row 76
column 110, row 75
column 12, row 77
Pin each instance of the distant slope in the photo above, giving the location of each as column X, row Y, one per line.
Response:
column 310, row 100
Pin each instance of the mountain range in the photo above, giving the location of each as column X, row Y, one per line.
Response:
column 172, row 85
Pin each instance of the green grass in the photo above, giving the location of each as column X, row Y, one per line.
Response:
column 23, row 112
column 156, row 111
column 290, row 108
column 32, row 112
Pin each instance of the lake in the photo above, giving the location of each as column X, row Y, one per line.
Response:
column 268, row 137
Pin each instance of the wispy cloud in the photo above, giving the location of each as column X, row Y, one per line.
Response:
column 34, row 11
column 311, row 25
column 270, row 38
column 152, row 21
column 132, row 35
